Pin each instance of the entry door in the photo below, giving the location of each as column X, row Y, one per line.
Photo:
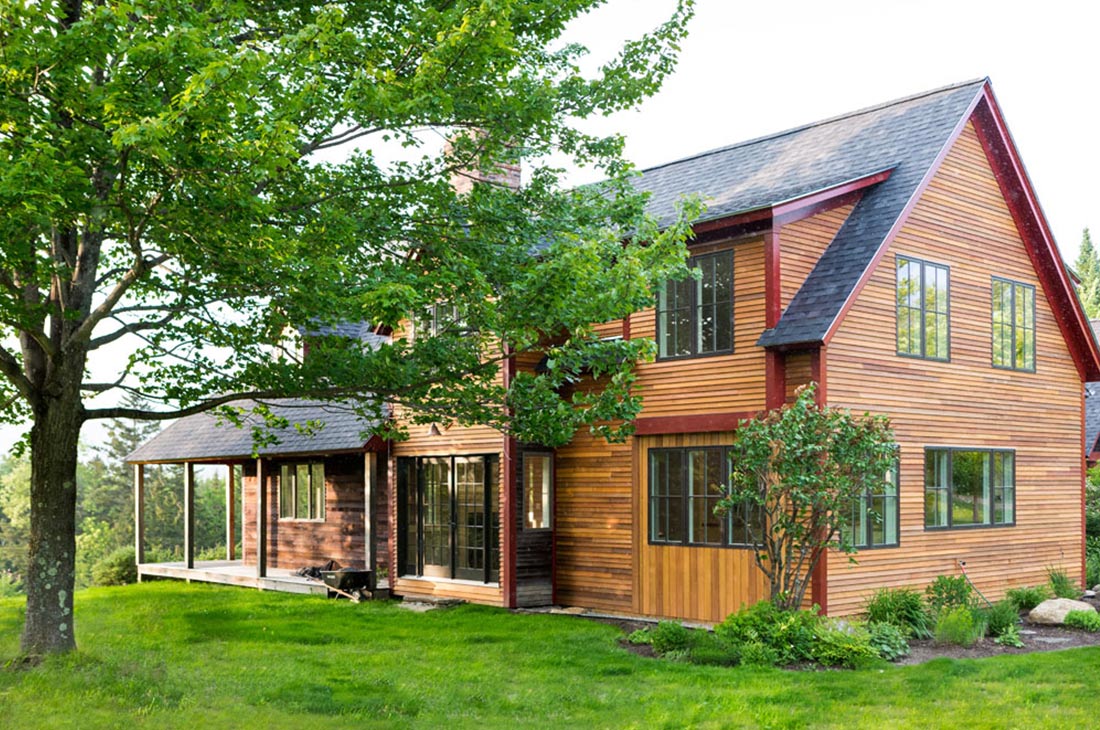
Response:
column 435, row 515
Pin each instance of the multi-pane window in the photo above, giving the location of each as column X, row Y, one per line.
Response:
column 922, row 309
column 1013, row 325
column 695, row 316
column 874, row 521
column 965, row 488
column 438, row 318
column 685, row 487
column 302, row 491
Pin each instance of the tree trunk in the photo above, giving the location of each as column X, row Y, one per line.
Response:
column 51, row 569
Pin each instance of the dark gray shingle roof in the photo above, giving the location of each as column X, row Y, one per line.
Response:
column 200, row 437
column 362, row 331
column 904, row 135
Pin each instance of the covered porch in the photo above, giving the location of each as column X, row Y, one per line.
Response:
column 301, row 502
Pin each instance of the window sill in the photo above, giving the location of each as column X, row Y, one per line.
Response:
column 952, row 528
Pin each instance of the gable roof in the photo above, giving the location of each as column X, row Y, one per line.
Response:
column 201, row 437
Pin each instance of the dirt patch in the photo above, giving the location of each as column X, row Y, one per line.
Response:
column 1035, row 637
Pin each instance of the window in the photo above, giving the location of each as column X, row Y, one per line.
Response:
column 438, row 318
column 685, row 486
column 695, row 317
column 302, row 492
column 874, row 521
column 923, row 312
column 968, row 488
column 538, row 480
column 1013, row 325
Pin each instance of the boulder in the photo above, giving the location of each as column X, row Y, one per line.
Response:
column 1054, row 611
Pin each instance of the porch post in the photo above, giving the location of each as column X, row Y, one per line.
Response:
column 189, row 515
column 370, row 477
column 261, row 520
column 230, row 515
column 139, row 514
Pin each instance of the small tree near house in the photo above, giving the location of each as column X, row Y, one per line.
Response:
column 803, row 466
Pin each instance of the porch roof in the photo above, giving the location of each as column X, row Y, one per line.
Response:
column 205, row 437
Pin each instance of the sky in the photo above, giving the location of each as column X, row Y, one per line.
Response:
column 751, row 69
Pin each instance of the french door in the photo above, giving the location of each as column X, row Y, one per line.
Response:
column 449, row 517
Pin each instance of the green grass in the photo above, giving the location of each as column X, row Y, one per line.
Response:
column 171, row 655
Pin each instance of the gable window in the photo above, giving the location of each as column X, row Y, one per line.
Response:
column 685, row 486
column 969, row 488
column 1013, row 325
column 875, row 513
column 439, row 318
column 923, row 328
column 302, row 492
column 695, row 316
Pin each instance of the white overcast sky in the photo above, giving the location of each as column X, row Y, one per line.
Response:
column 749, row 69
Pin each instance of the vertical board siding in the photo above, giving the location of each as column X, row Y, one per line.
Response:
column 962, row 221
column 296, row 544
column 720, row 383
column 801, row 244
column 687, row 582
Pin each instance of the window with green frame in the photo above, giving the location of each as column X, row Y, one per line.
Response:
column 685, row 486
column 1013, row 325
column 695, row 316
column 969, row 487
column 875, row 515
column 302, row 492
column 923, row 310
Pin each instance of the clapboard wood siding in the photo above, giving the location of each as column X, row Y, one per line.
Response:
column 697, row 583
column 961, row 220
column 715, row 384
column 801, row 244
column 301, row 543
column 592, row 527
column 799, row 372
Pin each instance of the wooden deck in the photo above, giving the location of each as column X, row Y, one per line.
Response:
column 233, row 572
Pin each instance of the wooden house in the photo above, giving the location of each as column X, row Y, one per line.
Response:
column 897, row 257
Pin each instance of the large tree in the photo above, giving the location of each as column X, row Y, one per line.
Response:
column 1088, row 271
column 196, row 180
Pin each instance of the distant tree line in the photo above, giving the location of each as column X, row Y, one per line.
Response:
column 1088, row 271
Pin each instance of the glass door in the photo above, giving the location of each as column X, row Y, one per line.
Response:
column 435, row 513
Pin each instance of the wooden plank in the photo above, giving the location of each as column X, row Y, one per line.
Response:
column 189, row 514
column 261, row 520
column 139, row 513
column 230, row 514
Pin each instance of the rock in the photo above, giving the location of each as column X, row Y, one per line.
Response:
column 1054, row 610
column 1089, row 594
column 1096, row 588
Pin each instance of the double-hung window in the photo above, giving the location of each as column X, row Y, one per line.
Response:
column 695, row 316
column 685, row 487
column 923, row 312
column 1013, row 325
column 969, row 487
column 875, row 515
column 302, row 492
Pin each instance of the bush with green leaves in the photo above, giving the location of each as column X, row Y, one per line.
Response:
column 903, row 608
column 790, row 634
column 960, row 626
column 119, row 568
column 641, row 636
column 1028, row 597
column 1086, row 620
column 670, row 636
column 758, row 654
column 842, row 644
column 1000, row 617
column 1062, row 585
column 888, row 640
column 10, row 584
column 1010, row 637
column 710, row 650
column 948, row 592
column 1092, row 561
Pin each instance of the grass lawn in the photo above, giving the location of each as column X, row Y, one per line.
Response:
column 171, row 655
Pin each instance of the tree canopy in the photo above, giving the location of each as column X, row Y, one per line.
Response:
column 210, row 182
column 1088, row 271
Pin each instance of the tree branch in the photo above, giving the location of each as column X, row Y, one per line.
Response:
column 138, row 270
column 9, row 367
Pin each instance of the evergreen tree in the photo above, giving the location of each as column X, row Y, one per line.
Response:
column 1088, row 270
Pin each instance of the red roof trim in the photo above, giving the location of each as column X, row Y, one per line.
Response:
column 701, row 423
column 1032, row 225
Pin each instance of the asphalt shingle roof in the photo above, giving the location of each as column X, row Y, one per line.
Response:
column 201, row 437
column 904, row 135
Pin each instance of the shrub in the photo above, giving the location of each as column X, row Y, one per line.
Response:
column 1027, row 598
column 1087, row 620
column 888, row 640
column 1010, row 637
column 10, row 584
column 1062, row 585
column 843, row 645
column 958, row 626
column 669, row 636
column 948, row 592
column 711, row 650
column 117, row 569
column 790, row 634
column 758, row 654
column 1001, row 617
column 903, row 608
column 1092, row 561
column 641, row 636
